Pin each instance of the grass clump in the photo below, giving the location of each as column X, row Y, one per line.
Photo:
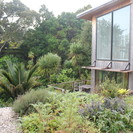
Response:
column 23, row 103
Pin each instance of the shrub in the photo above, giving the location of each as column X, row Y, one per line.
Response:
column 32, row 124
column 23, row 104
column 68, row 64
column 59, row 115
column 123, row 92
column 109, row 88
column 129, row 101
column 48, row 64
column 110, row 116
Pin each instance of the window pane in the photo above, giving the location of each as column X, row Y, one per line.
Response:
column 120, row 78
column 121, row 29
column 104, row 37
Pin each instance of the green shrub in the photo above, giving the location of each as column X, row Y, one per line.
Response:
column 68, row 64
column 60, row 115
column 32, row 124
column 64, row 76
column 109, row 116
column 109, row 88
column 113, row 122
column 48, row 64
column 129, row 101
column 23, row 104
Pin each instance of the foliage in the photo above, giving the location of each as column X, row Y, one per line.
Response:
column 53, row 34
column 76, row 113
column 129, row 101
column 48, row 64
column 45, row 13
column 24, row 31
column 5, row 58
column 123, row 92
column 109, row 88
column 59, row 115
column 83, row 9
column 109, row 116
column 4, row 103
column 32, row 124
column 64, row 76
column 17, row 80
column 23, row 103
column 31, row 61
column 115, row 104
column 79, row 57
column 68, row 64
column 86, row 35
column 15, row 19
column 113, row 122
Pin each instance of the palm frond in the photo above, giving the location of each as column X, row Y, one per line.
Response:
column 31, row 72
column 11, row 67
column 8, row 77
column 17, row 79
column 6, row 89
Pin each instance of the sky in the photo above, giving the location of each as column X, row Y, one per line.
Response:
column 58, row 6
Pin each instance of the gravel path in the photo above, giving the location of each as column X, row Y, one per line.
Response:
column 8, row 121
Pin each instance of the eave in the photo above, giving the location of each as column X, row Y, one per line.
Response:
column 87, row 15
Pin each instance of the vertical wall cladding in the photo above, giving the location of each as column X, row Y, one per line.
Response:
column 131, row 51
column 93, row 49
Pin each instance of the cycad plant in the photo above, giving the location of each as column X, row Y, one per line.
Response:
column 16, row 80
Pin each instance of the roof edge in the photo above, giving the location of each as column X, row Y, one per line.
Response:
column 92, row 11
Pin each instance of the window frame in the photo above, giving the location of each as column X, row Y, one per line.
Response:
column 112, row 18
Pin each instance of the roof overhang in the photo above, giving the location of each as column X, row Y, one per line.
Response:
column 87, row 15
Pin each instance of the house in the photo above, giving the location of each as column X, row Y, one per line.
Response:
column 112, row 42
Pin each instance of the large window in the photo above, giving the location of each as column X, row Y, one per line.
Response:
column 113, row 35
column 104, row 37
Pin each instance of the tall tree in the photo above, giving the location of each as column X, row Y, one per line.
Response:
column 86, row 37
column 83, row 9
column 70, row 25
column 45, row 13
column 15, row 20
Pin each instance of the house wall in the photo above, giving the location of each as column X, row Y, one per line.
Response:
column 115, row 64
column 131, row 51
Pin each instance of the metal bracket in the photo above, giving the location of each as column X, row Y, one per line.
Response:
column 94, row 64
column 109, row 65
column 127, row 67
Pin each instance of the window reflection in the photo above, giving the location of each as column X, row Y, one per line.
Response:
column 121, row 29
column 113, row 35
column 104, row 37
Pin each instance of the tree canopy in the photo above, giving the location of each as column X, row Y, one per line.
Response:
column 24, row 31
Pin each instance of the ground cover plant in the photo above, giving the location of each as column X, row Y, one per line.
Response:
column 60, row 113
column 79, row 112
column 110, row 115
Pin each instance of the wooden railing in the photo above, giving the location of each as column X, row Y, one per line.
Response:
column 71, row 85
